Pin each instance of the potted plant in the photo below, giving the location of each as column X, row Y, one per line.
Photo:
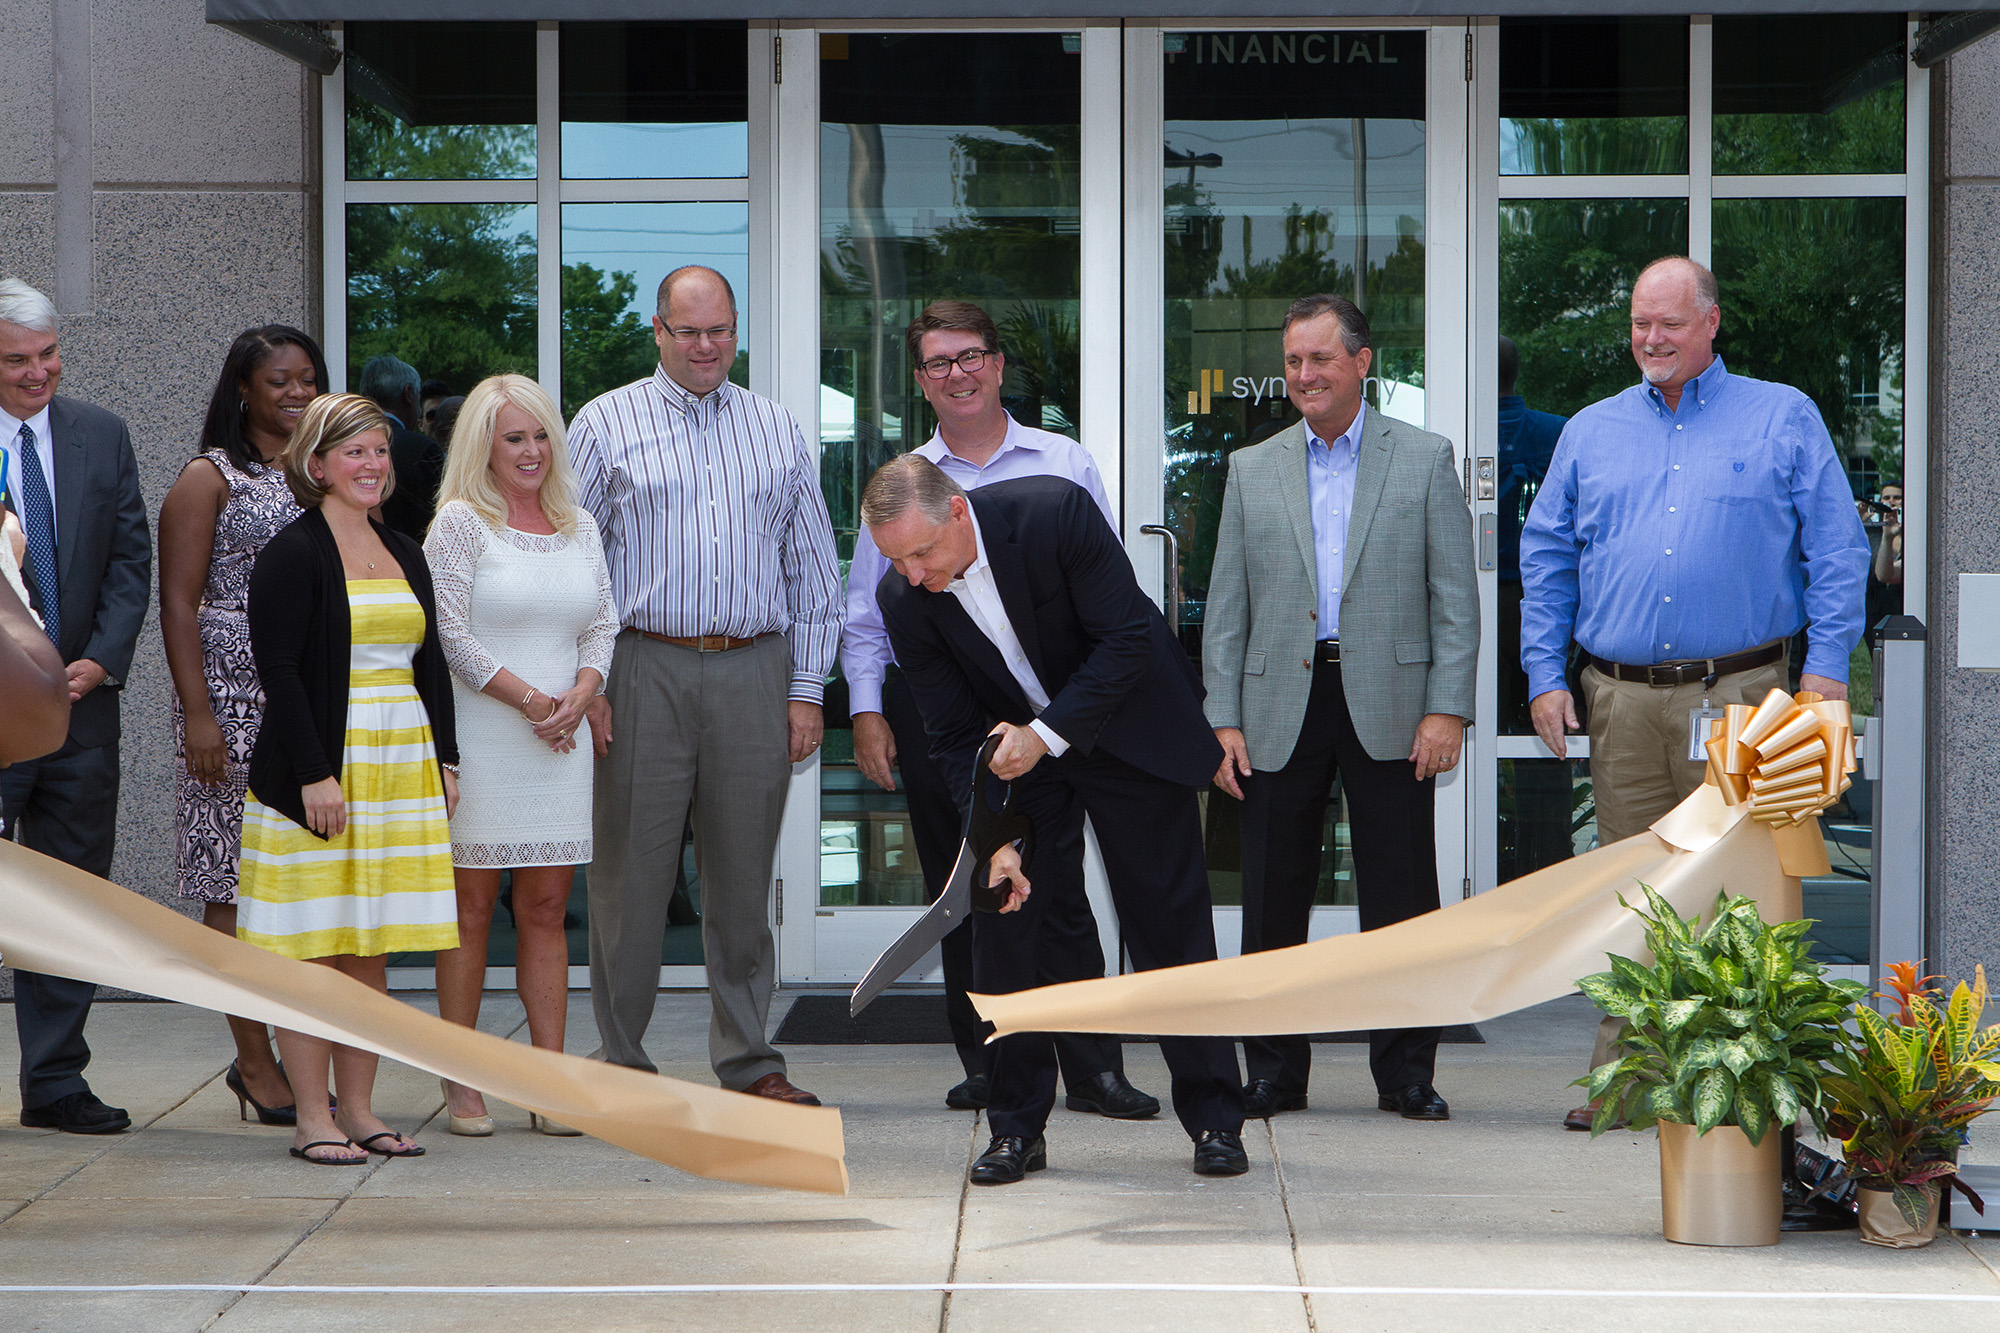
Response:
column 1728, row 1031
column 1902, row 1092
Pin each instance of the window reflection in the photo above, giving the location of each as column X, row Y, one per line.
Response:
column 440, row 101
column 1546, row 814
column 449, row 288
column 655, row 99
column 1797, row 94
column 948, row 169
column 1593, row 96
column 614, row 256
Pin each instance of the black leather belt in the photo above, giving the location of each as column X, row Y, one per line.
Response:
column 1668, row 674
column 1327, row 650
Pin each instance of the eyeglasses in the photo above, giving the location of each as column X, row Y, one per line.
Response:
column 721, row 333
column 969, row 361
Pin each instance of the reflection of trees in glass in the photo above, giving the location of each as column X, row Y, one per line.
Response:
column 1812, row 296
column 381, row 146
column 1862, row 135
column 1213, row 270
column 605, row 343
column 450, row 288
column 1595, row 146
column 1008, row 243
column 1566, row 273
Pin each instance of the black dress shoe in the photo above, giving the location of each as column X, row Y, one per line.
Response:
column 1110, row 1095
column 1419, row 1101
column 970, row 1095
column 1007, row 1160
column 1219, row 1153
column 78, row 1113
column 1263, row 1099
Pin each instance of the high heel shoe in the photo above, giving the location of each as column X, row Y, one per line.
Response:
column 552, row 1127
column 471, row 1126
column 266, row 1115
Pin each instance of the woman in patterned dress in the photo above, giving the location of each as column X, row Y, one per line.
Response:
column 527, row 619
column 228, row 501
column 346, row 848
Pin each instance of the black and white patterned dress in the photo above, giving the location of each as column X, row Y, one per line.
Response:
column 210, row 820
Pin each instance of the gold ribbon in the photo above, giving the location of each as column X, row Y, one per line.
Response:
column 1784, row 761
column 56, row 919
column 1750, row 830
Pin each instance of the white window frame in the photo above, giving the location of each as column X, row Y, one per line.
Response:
column 548, row 192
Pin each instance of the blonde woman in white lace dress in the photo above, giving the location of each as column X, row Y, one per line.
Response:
column 527, row 620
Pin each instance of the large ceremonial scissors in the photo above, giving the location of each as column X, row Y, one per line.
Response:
column 991, row 823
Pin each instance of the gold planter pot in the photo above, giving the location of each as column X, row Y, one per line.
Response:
column 1883, row 1223
column 1716, row 1189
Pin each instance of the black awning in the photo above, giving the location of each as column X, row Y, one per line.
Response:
column 947, row 11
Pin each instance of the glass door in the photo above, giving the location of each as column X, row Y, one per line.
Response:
column 1286, row 161
column 949, row 165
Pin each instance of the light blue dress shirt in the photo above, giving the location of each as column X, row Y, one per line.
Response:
column 1330, row 486
column 1672, row 535
column 865, row 655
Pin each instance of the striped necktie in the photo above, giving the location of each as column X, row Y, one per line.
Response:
column 38, row 516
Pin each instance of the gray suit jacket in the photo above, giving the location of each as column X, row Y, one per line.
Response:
column 1409, row 607
column 104, row 555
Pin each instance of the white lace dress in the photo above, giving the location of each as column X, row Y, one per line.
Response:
column 541, row 607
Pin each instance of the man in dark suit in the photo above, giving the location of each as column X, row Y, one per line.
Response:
column 74, row 483
column 418, row 459
column 1016, row 606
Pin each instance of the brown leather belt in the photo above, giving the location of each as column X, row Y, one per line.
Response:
column 1668, row 674
column 706, row 643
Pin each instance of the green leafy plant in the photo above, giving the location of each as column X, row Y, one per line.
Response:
column 1903, row 1090
column 1729, row 1026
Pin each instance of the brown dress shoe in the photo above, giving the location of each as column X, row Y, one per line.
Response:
column 1581, row 1117
column 779, row 1089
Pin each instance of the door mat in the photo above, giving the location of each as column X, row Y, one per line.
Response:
column 919, row 1020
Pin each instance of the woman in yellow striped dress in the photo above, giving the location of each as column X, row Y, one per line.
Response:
column 346, row 847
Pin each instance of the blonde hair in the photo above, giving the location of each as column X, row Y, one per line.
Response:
column 329, row 421
column 468, row 474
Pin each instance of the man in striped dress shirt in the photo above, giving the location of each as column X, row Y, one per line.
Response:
column 722, row 562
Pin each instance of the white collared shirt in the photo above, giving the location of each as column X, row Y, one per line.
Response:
column 45, row 454
column 980, row 596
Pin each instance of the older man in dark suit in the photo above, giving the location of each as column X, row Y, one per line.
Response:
column 74, row 483
column 1014, row 610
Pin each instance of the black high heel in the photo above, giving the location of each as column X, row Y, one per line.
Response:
column 266, row 1115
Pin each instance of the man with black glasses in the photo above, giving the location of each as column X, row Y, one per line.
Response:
column 954, row 347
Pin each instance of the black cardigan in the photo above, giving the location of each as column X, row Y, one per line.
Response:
column 299, row 634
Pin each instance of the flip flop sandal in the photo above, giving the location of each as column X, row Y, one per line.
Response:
column 305, row 1154
column 408, row 1149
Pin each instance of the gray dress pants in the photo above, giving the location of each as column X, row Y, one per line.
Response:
column 705, row 731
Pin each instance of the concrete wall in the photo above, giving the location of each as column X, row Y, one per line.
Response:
column 197, row 205
column 1964, row 706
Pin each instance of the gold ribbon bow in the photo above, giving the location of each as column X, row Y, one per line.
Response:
column 1788, row 757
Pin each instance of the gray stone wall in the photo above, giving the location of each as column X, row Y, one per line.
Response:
column 1963, row 798
column 203, row 198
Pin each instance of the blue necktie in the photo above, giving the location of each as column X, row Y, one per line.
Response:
column 38, row 515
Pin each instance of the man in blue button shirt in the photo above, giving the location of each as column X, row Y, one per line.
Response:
column 1688, row 528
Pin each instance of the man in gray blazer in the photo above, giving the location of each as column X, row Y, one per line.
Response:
column 1341, row 640
column 74, row 483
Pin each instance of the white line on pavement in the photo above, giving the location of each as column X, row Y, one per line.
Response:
column 846, row 1288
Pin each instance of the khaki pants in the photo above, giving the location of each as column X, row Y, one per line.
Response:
column 1639, row 767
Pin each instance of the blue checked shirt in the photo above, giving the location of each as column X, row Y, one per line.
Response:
column 1663, row 536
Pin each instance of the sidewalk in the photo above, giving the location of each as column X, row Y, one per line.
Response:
column 1414, row 1223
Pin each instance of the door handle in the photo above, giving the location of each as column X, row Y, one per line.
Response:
column 1173, row 571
